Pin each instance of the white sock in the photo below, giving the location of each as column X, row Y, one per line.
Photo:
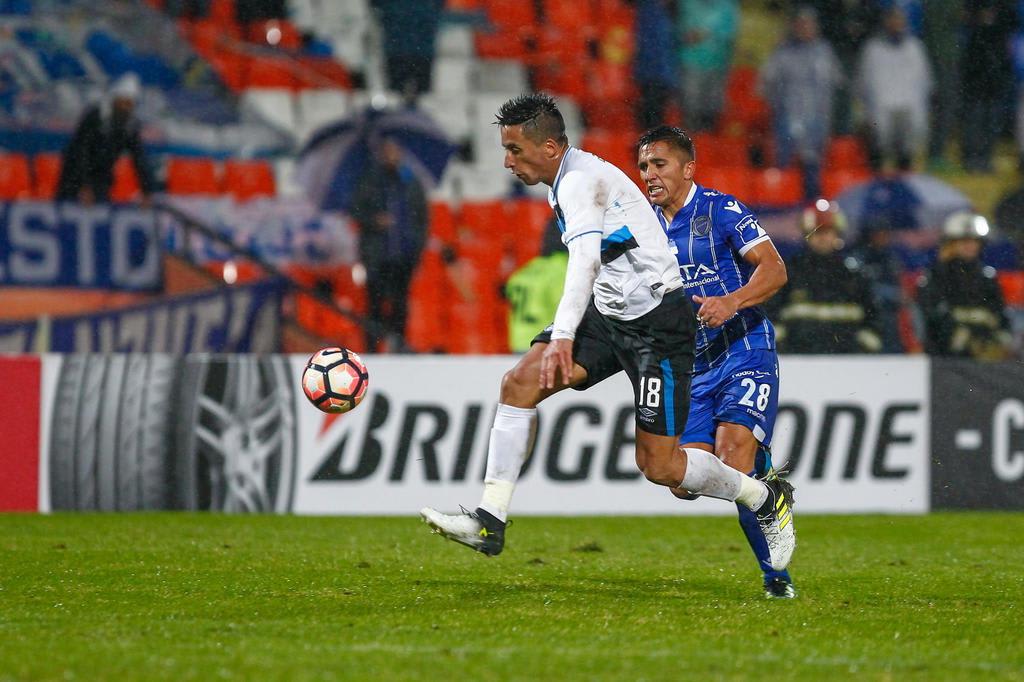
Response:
column 511, row 440
column 708, row 475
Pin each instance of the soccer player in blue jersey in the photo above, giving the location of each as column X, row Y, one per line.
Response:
column 729, row 266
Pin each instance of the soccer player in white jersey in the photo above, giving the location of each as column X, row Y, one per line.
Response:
column 623, row 308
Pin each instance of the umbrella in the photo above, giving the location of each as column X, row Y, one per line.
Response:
column 331, row 163
column 905, row 203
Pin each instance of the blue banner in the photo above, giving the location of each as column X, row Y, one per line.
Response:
column 46, row 244
column 239, row 319
column 18, row 337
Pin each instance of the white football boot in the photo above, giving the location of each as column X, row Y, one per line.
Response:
column 478, row 529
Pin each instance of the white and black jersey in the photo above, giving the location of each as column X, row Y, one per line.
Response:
column 590, row 195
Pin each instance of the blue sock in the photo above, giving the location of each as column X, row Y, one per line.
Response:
column 748, row 522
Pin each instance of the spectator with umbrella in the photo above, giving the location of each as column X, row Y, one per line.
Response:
column 390, row 206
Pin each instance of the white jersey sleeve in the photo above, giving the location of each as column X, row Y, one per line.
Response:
column 582, row 198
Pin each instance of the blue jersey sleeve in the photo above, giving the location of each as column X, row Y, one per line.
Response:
column 738, row 225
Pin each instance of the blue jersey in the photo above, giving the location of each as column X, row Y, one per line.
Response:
column 709, row 236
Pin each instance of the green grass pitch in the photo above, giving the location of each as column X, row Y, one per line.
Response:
column 204, row 597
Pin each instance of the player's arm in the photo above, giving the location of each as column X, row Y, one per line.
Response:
column 584, row 217
column 767, row 277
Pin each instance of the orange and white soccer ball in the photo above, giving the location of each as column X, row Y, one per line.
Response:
column 335, row 380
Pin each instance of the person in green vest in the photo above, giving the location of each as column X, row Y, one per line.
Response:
column 533, row 291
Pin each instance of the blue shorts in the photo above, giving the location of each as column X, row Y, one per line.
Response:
column 743, row 390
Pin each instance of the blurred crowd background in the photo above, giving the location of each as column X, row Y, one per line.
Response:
column 345, row 149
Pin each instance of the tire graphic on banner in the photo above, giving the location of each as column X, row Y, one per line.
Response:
column 111, row 444
column 236, row 435
column 147, row 432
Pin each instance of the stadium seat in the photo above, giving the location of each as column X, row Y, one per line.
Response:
column 325, row 72
column 442, row 222
column 569, row 15
column 614, row 146
column 126, row 182
column 248, row 179
column 453, row 74
column 1012, row 283
column 15, row 179
column 846, row 153
column 502, row 44
column 270, row 72
column 191, row 176
column 737, row 180
column 501, row 75
column 45, row 175
column 777, row 187
column 512, row 15
column 835, row 181
column 720, row 151
column 223, row 12
column 427, row 323
column 609, row 81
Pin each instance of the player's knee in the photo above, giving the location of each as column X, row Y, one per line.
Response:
column 657, row 469
column 520, row 387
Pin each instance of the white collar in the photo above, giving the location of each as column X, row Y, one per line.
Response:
column 689, row 197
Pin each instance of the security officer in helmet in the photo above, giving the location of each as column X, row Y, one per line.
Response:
column 827, row 305
column 960, row 301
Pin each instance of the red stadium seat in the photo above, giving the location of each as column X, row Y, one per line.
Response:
column 614, row 146
column 720, row 151
column 442, row 222
column 511, row 14
column 192, row 176
column 610, row 82
column 737, row 180
column 249, row 179
column 45, row 175
column 835, row 182
column 327, row 73
column 778, row 187
column 846, row 153
column 271, row 72
column 502, row 44
column 126, row 182
column 15, row 179
column 223, row 12
column 232, row 67
column 427, row 324
column 1012, row 283
column 569, row 15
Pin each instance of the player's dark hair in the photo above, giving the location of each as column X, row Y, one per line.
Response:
column 537, row 113
column 675, row 137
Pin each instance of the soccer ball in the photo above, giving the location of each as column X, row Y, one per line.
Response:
column 335, row 380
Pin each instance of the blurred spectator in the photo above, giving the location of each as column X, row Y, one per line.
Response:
column 960, row 300
column 986, row 77
column 799, row 81
column 707, row 33
column 913, row 10
column 826, row 307
column 883, row 269
column 409, row 32
column 105, row 131
column 894, row 80
column 942, row 41
column 1009, row 216
column 390, row 207
column 534, row 290
column 845, row 24
column 654, row 62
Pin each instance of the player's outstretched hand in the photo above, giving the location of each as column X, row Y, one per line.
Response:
column 557, row 356
column 715, row 310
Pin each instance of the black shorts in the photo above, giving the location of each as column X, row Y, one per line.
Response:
column 655, row 350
